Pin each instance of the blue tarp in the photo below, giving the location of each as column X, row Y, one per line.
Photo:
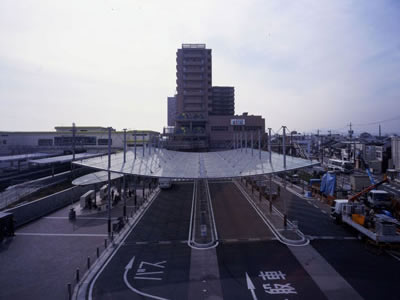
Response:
column 328, row 184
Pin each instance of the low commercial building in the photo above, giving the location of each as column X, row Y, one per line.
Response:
column 396, row 152
column 86, row 138
column 221, row 129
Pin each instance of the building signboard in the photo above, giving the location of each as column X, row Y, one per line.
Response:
column 237, row 122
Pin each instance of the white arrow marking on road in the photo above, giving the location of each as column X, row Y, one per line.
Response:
column 129, row 267
column 251, row 286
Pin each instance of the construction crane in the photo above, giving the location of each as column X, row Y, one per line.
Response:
column 366, row 190
column 366, row 166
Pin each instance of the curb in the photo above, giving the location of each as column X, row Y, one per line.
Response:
column 81, row 289
column 303, row 240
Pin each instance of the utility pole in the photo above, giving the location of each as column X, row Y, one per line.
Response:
column 124, row 145
column 252, row 143
column 134, row 137
column 284, row 146
column 73, row 141
column 245, row 134
column 109, row 181
column 269, row 144
column 259, row 143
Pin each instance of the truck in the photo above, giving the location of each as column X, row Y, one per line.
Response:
column 379, row 228
column 378, row 199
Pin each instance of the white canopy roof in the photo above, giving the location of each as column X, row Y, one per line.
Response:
column 194, row 165
column 62, row 158
column 93, row 178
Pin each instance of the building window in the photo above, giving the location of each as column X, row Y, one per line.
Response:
column 79, row 140
column 252, row 128
column 45, row 142
column 103, row 142
column 219, row 128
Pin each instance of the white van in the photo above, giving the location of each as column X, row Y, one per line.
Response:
column 165, row 183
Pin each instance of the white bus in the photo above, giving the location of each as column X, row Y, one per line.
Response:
column 343, row 166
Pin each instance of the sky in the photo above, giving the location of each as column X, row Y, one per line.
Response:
column 304, row 64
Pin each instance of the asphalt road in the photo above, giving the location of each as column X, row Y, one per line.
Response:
column 235, row 218
column 158, row 251
column 373, row 276
column 311, row 219
column 241, row 251
column 257, row 259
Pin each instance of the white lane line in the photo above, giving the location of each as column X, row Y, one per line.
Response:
column 253, row 239
column 393, row 255
column 164, row 242
column 324, row 212
column 309, row 202
column 61, row 234
column 316, row 206
column 147, row 278
column 80, row 218
column 349, row 238
column 142, row 243
column 93, row 281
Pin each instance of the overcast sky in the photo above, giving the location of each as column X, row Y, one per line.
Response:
column 303, row 64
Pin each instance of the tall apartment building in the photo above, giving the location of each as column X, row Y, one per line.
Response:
column 193, row 64
column 193, row 79
column 204, row 114
column 171, row 111
column 223, row 101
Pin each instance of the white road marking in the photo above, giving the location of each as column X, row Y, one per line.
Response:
column 61, row 234
column 324, row 212
column 251, row 287
column 80, row 218
column 164, row 242
column 147, row 278
column 129, row 267
column 393, row 255
column 316, row 206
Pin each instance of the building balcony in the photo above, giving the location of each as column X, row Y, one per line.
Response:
column 193, row 55
column 193, row 85
column 189, row 62
column 191, row 117
column 193, row 77
column 193, row 93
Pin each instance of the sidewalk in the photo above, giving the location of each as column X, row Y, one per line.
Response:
column 44, row 256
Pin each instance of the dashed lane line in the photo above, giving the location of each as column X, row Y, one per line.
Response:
column 80, row 218
column 62, row 234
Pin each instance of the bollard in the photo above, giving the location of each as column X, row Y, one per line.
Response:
column 88, row 262
column 69, row 287
column 98, row 252
column 285, row 220
column 77, row 275
column 105, row 243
